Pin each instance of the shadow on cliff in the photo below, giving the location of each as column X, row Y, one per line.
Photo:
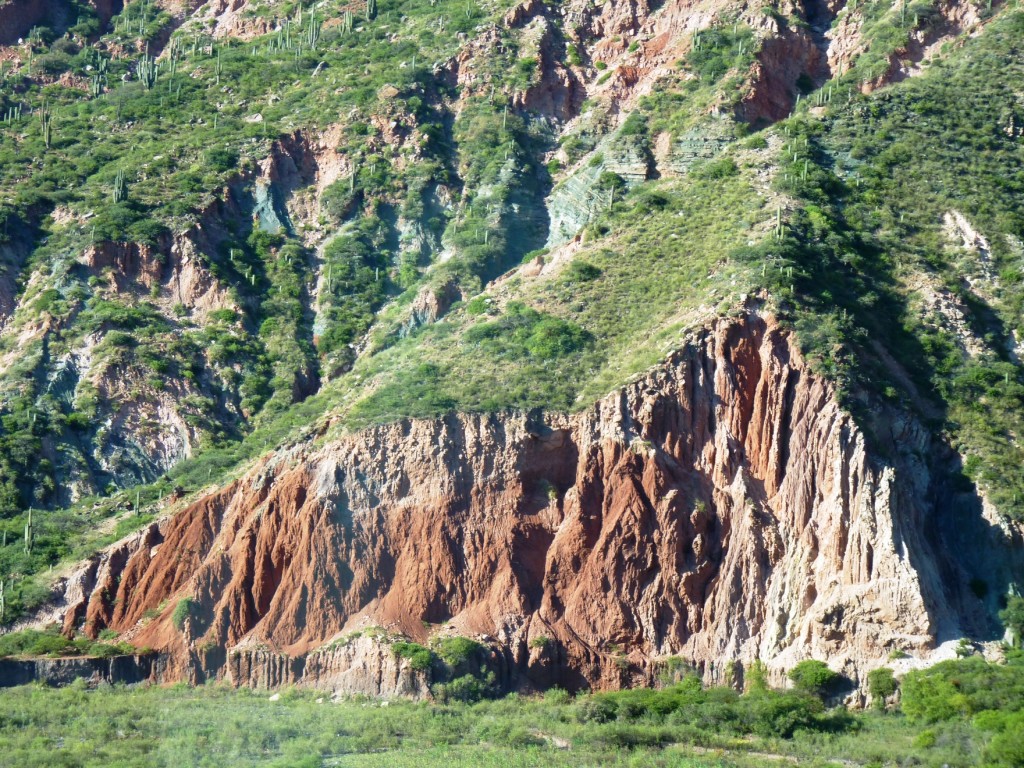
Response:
column 984, row 555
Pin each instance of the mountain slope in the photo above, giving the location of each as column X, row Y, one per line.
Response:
column 234, row 231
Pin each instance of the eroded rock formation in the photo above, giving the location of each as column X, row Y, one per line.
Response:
column 723, row 507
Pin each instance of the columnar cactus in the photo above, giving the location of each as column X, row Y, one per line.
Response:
column 148, row 70
column 46, row 126
column 120, row 191
column 30, row 534
column 312, row 32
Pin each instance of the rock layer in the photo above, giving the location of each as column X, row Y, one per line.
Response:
column 723, row 507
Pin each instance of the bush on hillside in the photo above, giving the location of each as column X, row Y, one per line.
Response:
column 182, row 612
column 881, row 685
column 813, row 677
column 1013, row 618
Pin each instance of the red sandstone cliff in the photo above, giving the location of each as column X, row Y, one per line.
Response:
column 722, row 507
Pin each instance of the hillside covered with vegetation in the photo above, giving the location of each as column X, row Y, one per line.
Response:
column 225, row 232
column 124, row 170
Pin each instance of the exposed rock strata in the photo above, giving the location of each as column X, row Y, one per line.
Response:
column 119, row 669
column 722, row 507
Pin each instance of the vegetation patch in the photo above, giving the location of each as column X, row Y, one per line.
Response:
column 420, row 657
column 961, row 713
column 31, row 643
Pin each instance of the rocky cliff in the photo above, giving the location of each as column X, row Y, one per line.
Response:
column 723, row 507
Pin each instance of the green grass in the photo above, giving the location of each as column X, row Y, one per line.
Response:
column 681, row 725
column 654, row 259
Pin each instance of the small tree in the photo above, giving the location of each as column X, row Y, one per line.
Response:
column 927, row 696
column 813, row 677
column 756, row 678
column 964, row 648
column 881, row 685
column 1012, row 617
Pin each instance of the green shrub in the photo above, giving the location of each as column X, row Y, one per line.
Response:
column 557, row 696
column 775, row 714
column 455, row 651
column 610, row 181
column 962, row 687
column 635, row 125
column 719, row 168
column 50, row 300
column 525, row 332
column 925, row 739
column 675, row 669
column 420, row 658
column 596, row 709
column 33, row 642
column 182, row 612
column 756, row 678
column 527, row 66
column 929, row 697
column 717, row 50
column 813, row 677
column 338, row 200
column 553, row 337
column 881, row 685
column 1006, row 749
column 221, row 159
column 79, row 422
column 580, row 271
column 477, row 306
column 1012, row 617
column 465, row 689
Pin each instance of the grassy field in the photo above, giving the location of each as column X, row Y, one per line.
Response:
column 960, row 713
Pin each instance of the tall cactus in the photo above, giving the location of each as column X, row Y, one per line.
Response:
column 312, row 32
column 30, row 534
column 371, row 9
column 175, row 55
column 120, row 191
column 46, row 126
column 148, row 69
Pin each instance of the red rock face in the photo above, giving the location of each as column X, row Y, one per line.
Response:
column 723, row 507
